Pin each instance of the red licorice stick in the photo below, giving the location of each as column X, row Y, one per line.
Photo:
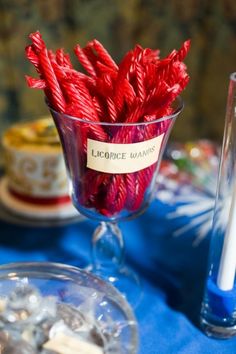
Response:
column 119, row 85
column 130, row 180
column 73, row 76
column 167, row 64
column 87, row 99
column 104, row 69
column 84, row 61
column 129, row 93
column 51, row 55
column 144, row 179
column 140, row 82
column 35, row 83
column 60, row 56
column 181, row 54
column 56, row 95
column 91, row 55
column 67, row 61
column 94, row 188
column 32, row 57
column 90, row 111
column 116, row 195
column 111, row 109
column 63, row 58
column 37, row 42
column 72, row 95
column 84, row 111
column 103, row 55
column 99, row 107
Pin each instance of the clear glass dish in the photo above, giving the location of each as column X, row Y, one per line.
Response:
column 102, row 304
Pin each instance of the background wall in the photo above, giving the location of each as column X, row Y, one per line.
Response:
column 119, row 25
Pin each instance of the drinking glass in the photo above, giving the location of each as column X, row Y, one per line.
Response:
column 112, row 169
column 218, row 313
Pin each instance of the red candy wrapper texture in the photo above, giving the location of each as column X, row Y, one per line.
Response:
column 141, row 88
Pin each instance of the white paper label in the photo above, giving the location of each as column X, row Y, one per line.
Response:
column 123, row 158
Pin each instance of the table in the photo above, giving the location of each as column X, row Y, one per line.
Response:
column 172, row 271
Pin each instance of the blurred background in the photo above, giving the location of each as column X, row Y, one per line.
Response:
column 119, row 25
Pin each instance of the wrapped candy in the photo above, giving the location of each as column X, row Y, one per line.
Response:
column 31, row 324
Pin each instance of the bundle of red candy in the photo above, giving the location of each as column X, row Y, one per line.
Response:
column 141, row 88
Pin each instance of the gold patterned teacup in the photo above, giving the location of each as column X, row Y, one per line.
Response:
column 34, row 162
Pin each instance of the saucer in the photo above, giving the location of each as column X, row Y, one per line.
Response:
column 33, row 213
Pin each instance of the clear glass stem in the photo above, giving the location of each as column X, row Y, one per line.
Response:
column 107, row 247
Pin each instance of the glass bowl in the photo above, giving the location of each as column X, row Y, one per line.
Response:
column 98, row 301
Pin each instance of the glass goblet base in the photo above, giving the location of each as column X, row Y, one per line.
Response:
column 108, row 262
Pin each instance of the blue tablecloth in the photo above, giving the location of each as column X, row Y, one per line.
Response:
column 172, row 270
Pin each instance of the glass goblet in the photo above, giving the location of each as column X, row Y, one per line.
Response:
column 113, row 169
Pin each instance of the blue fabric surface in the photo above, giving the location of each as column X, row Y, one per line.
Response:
column 171, row 268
